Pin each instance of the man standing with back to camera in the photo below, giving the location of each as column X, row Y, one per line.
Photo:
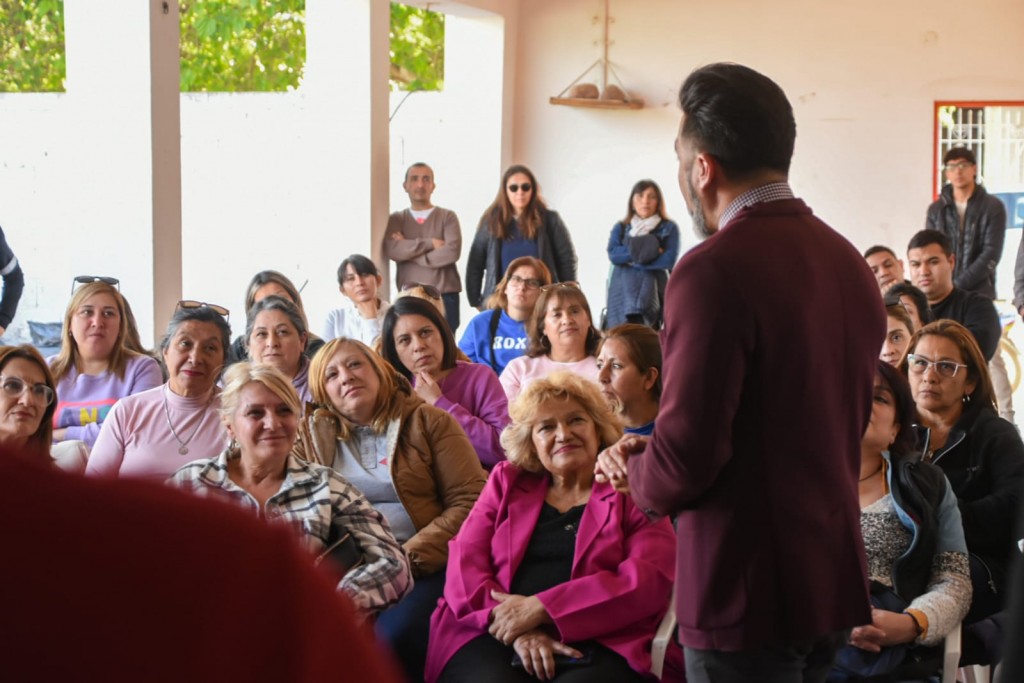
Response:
column 771, row 338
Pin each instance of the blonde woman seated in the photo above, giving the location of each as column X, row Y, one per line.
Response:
column 260, row 411
column 562, row 337
column 914, row 542
column 551, row 566
column 413, row 462
column 96, row 365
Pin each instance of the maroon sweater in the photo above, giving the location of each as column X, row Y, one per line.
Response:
column 771, row 340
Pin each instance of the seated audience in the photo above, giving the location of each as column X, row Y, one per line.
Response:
column 275, row 333
column 261, row 411
column 549, row 563
column 897, row 335
column 363, row 312
column 271, row 283
column 886, row 266
column 980, row 453
column 562, row 337
column 413, row 462
column 913, row 301
column 417, row 341
column 154, row 433
column 497, row 335
column 629, row 372
column 643, row 247
column 917, row 557
column 27, row 403
column 96, row 365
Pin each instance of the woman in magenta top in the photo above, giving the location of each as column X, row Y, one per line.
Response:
column 417, row 341
column 549, row 562
column 95, row 367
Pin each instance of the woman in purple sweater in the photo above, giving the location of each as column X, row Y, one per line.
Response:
column 95, row 367
column 417, row 341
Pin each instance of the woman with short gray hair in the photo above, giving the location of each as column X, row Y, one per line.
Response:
column 153, row 433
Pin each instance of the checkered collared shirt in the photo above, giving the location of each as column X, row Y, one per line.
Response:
column 311, row 499
column 765, row 193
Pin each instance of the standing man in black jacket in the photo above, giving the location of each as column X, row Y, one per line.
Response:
column 14, row 283
column 975, row 223
column 932, row 264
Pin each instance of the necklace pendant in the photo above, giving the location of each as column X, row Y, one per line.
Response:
column 183, row 450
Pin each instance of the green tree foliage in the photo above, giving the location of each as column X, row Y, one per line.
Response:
column 32, row 46
column 242, row 45
column 417, row 48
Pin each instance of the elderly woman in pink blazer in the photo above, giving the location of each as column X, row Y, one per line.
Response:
column 553, row 576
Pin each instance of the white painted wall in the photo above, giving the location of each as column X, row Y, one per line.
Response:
column 862, row 77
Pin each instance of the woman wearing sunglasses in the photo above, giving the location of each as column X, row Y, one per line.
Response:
column 643, row 247
column 562, row 337
column 517, row 223
column 153, row 433
column 27, row 403
column 96, row 365
column 981, row 454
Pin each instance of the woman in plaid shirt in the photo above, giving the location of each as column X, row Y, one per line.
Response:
column 260, row 410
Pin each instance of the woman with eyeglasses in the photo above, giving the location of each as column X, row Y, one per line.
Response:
column 96, row 365
column 980, row 453
column 413, row 462
column 361, row 316
column 271, row 283
column 497, row 335
column 276, row 334
column 518, row 223
column 562, row 337
column 27, row 403
column 417, row 341
column 643, row 247
column 897, row 335
column 151, row 434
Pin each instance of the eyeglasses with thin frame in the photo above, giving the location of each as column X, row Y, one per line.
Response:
column 16, row 386
column 526, row 282
column 430, row 290
column 87, row 279
column 946, row 368
column 958, row 165
column 525, row 187
column 192, row 303
column 556, row 285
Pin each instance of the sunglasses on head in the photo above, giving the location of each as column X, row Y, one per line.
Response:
column 87, row 279
column 191, row 303
column 556, row 285
column 525, row 187
column 430, row 290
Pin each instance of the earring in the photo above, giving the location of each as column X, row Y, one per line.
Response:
column 967, row 398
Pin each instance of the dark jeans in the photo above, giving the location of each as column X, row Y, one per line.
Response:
column 797, row 662
column 406, row 626
column 451, row 309
column 485, row 659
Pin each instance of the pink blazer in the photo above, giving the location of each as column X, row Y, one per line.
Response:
column 621, row 581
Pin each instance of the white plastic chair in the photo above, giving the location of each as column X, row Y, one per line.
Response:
column 70, row 456
column 663, row 637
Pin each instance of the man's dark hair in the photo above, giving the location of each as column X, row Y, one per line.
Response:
column 739, row 117
column 878, row 249
column 960, row 153
column 418, row 164
column 925, row 237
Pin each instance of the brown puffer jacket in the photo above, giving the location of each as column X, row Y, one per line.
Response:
column 436, row 473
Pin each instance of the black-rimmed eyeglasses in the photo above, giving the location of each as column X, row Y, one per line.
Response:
column 192, row 303
column 88, row 279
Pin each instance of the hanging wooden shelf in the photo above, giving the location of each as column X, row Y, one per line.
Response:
column 600, row 102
